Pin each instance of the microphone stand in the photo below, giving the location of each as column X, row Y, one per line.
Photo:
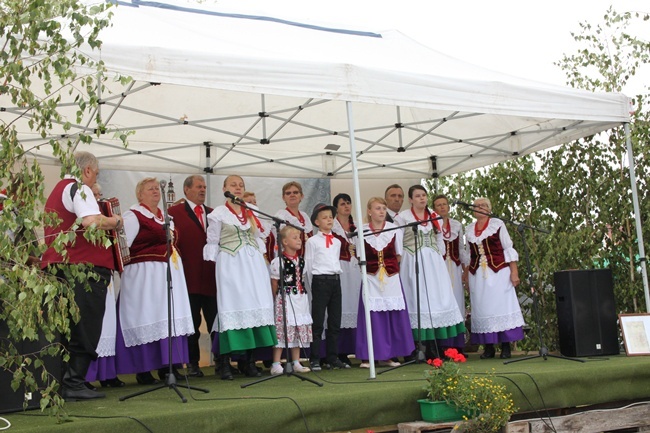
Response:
column 419, row 356
column 543, row 350
column 288, row 367
column 170, row 380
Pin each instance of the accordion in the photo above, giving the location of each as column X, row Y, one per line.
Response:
column 110, row 207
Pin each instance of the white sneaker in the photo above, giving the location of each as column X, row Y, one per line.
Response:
column 389, row 363
column 276, row 369
column 364, row 365
column 299, row 368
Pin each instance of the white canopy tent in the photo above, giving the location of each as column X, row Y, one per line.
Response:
column 258, row 96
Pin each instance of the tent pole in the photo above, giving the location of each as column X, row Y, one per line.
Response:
column 361, row 249
column 637, row 217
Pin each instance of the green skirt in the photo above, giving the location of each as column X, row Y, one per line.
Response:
column 440, row 333
column 240, row 340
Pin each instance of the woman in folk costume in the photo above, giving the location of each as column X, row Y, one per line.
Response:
column 245, row 319
column 493, row 275
column 455, row 253
column 142, row 337
column 292, row 196
column 441, row 323
column 350, row 275
column 389, row 317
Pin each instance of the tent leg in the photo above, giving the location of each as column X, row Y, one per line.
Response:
column 637, row 217
column 362, row 251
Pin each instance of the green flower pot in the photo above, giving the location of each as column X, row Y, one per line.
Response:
column 440, row 411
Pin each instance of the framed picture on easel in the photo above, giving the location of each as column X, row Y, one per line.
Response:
column 636, row 333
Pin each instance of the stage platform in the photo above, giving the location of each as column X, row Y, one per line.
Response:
column 348, row 399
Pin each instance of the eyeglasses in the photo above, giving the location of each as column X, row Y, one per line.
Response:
column 292, row 193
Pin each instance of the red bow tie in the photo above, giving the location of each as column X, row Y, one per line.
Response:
column 328, row 240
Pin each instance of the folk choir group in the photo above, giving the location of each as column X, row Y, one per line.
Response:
column 225, row 267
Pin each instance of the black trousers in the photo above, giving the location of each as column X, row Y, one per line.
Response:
column 326, row 297
column 209, row 306
column 85, row 334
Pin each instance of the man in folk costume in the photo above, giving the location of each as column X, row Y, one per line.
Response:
column 70, row 199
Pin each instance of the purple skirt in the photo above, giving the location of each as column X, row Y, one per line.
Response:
column 391, row 334
column 508, row 336
column 101, row 369
column 347, row 341
column 149, row 356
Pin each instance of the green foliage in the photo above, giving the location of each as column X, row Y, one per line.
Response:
column 487, row 404
column 579, row 191
column 40, row 62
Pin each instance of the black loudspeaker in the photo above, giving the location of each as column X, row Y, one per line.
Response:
column 586, row 312
column 12, row 401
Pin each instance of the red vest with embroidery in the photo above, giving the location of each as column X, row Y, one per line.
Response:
column 269, row 244
column 387, row 256
column 493, row 253
column 453, row 248
column 150, row 244
column 345, row 254
column 82, row 251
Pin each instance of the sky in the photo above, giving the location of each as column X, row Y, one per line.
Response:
column 520, row 37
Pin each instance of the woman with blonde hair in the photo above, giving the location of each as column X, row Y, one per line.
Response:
column 391, row 329
column 245, row 318
column 292, row 196
column 142, row 337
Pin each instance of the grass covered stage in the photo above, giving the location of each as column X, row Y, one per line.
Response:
column 347, row 400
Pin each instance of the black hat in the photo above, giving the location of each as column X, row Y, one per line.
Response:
column 320, row 207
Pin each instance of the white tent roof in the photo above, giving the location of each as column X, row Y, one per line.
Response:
column 269, row 97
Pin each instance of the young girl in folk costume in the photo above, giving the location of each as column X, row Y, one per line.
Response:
column 350, row 275
column 292, row 196
column 440, row 317
column 493, row 275
column 391, row 329
column 455, row 253
column 244, row 299
column 298, row 318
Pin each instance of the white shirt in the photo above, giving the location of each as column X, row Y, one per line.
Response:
column 320, row 260
column 80, row 206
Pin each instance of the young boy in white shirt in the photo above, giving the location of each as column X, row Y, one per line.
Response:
column 323, row 268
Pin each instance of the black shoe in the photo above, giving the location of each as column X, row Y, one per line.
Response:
column 344, row 359
column 315, row 366
column 163, row 372
column 90, row 386
column 489, row 352
column 251, row 370
column 224, row 370
column 146, row 378
column 112, row 383
column 82, row 393
column 193, row 370
column 337, row 365
column 505, row 351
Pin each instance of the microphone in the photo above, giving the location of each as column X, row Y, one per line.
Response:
column 231, row 196
column 163, row 184
column 351, row 235
column 462, row 203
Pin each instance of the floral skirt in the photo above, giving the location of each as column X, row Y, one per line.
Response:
column 298, row 335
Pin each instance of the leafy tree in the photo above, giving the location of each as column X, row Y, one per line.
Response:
column 40, row 64
column 579, row 191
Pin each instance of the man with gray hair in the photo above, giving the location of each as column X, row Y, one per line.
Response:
column 394, row 196
column 72, row 198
